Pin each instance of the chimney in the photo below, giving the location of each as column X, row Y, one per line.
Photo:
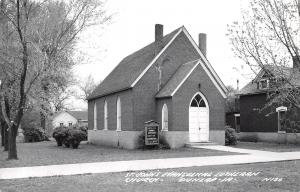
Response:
column 202, row 43
column 296, row 62
column 159, row 34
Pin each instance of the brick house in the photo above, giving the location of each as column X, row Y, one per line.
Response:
column 264, row 125
column 169, row 81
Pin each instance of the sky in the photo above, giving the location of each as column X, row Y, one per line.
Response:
column 132, row 27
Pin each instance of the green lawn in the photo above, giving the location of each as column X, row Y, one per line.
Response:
column 47, row 153
column 287, row 171
column 274, row 147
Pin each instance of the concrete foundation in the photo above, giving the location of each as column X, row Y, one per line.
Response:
column 129, row 139
column 176, row 139
column 272, row 137
column 217, row 136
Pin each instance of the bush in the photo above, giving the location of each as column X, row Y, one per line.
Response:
column 162, row 142
column 35, row 134
column 60, row 134
column 249, row 138
column 74, row 138
column 69, row 136
column 230, row 136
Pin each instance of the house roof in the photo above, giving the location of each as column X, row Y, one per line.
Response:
column 129, row 69
column 79, row 115
column 286, row 72
column 177, row 79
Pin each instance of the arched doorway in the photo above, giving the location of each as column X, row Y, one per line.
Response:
column 198, row 119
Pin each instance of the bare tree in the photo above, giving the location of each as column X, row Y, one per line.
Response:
column 86, row 87
column 268, row 38
column 33, row 47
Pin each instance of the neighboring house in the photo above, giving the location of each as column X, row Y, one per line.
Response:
column 262, row 125
column 169, row 81
column 70, row 118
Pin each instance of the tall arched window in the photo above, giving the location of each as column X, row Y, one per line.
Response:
column 105, row 115
column 165, row 122
column 95, row 116
column 119, row 117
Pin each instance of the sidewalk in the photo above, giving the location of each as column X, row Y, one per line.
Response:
column 253, row 156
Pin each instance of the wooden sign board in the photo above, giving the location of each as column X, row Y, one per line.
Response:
column 151, row 133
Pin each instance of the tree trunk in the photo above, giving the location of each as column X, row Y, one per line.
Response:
column 43, row 121
column 5, row 137
column 12, row 144
column 2, row 134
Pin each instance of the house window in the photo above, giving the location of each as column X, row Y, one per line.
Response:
column 105, row 115
column 164, row 118
column 61, row 124
column 119, row 118
column 263, row 84
column 70, row 124
column 95, row 116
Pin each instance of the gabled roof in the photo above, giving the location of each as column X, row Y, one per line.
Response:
column 129, row 69
column 79, row 115
column 292, row 74
column 177, row 79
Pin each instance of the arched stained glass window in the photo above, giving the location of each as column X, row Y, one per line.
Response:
column 198, row 101
column 119, row 118
column 165, row 121
column 105, row 115
column 95, row 116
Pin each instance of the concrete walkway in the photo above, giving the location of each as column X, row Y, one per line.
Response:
column 252, row 156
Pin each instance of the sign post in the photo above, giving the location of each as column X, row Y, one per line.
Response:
column 151, row 133
column 281, row 124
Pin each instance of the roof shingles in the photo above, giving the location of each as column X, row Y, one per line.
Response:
column 176, row 79
column 128, row 70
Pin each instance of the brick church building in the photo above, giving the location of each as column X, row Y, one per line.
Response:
column 169, row 81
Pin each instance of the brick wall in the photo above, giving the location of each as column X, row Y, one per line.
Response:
column 180, row 52
column 251, row 119
column 126, row 111
column 182, row 99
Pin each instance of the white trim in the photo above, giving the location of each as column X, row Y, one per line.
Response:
column 163, row 125
column 119, row 114
column 155, row 59
column 95, row 116
column 221, row 87
column 207, row 106
column 179, row 85
column 105, row 115
column 237, row 115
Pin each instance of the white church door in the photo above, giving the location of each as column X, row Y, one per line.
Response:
column 198, row 119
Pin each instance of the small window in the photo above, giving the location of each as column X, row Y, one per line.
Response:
column 61, row 124
column 264, row 84
column 165, row 122
column 198, row 101
column 70, row 124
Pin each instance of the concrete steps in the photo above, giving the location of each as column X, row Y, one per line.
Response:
column 194, row 144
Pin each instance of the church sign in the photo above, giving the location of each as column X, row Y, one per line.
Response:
column 151, row 133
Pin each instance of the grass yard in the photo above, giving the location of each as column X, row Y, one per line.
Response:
column 274, row 147
column 47, row 153
column 282, row 176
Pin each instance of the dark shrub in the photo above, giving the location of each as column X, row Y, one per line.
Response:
column 74, row 137
column 230, row 136
column 60, row 134
column 35, row 134
column 162, row 142
column 249, row 138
